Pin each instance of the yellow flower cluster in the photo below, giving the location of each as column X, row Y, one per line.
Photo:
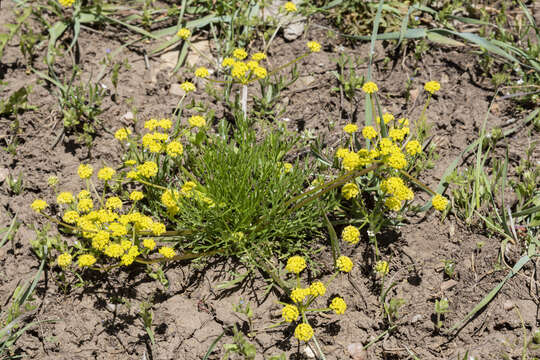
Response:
column 314, row 46
column 245, row 72
column 64, row 260
column 86, row 260
column 370, row 87
column 85, row 171
column 432, row 87
column 197, row 121
column 106, row 173
column 398, row 191
column 296, row 264
column 65, row 197
column 350, row 128
column 122, row 134
column 303, row 332
column 413, row 147
column 202, row 72
column 38, row 205
column 317, row 288
column 381, row 267
column 350, row 234
column 187, row 87
column 350, row 191
column 338, row 305
column 290, row 313
column 167, row 252
column 148, row 169
column 66, row 3
column 289, row 6
column 439, row 202
column 299, row 294
column 344, row 263
column 184, row 33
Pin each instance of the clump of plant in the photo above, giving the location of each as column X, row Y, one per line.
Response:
column 375, row 176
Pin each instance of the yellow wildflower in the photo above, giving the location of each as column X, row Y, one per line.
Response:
column 113, row 202
column 148, row 243
column 64, row 260
column 350, row 128
column 338, row 305
column 413, row 147
column 148, row 169
column 187, row 86
column 317, row 289
column 86, row 260
column 85, row 171
column 296, row 264
column 381, row 267
column 136, row 195
column 289, row 6
column 197, row 121
column 240, row 54
column 66, row 3
column 114, row 250
column 370, row 87
column 439, row 202
column 70, row 217
column 202, row 72
column 65, row 198
column 258, row 56
column 350, row 234
column 167, row 252
column 344, row 263
column 350, row 190
column 122, row 134
column 106, row 173
column 314, row 46
column 174, row 148
column 432, row 87
column 303, row 332
column 290, row 313
column 184, row 33
column 369, row 132
column 228, row 62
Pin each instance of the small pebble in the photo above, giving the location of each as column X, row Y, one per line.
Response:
column 448, row 284
column 357, row 352
column 508, row 305
column 129, row 116
column 309, row 353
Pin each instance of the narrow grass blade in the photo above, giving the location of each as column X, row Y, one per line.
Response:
column 8, row 231
column 487, row 299
column 374, row 32
column 334, row 240
column 181, row 57
column 212, row 346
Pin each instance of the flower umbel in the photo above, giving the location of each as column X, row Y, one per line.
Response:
column 432, row 87
column 296, row 264
column 303, row 332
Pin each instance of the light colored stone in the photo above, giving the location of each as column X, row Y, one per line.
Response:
column 3, row 174
column 508, row 305
column 448, row 284
column 168, row 59
column 129, row 116
column 294, row 30
column 357, row 352
column 309, row 353
column 176, row 90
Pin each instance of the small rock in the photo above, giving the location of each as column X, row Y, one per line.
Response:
column 176, row 90
column 508, row 305
column 448, row 284
column 129, row 116
column 416, row 318
column 293, row 31
column 112, row 307
column 357, row 352
column 309, row 353
column 3, row 174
